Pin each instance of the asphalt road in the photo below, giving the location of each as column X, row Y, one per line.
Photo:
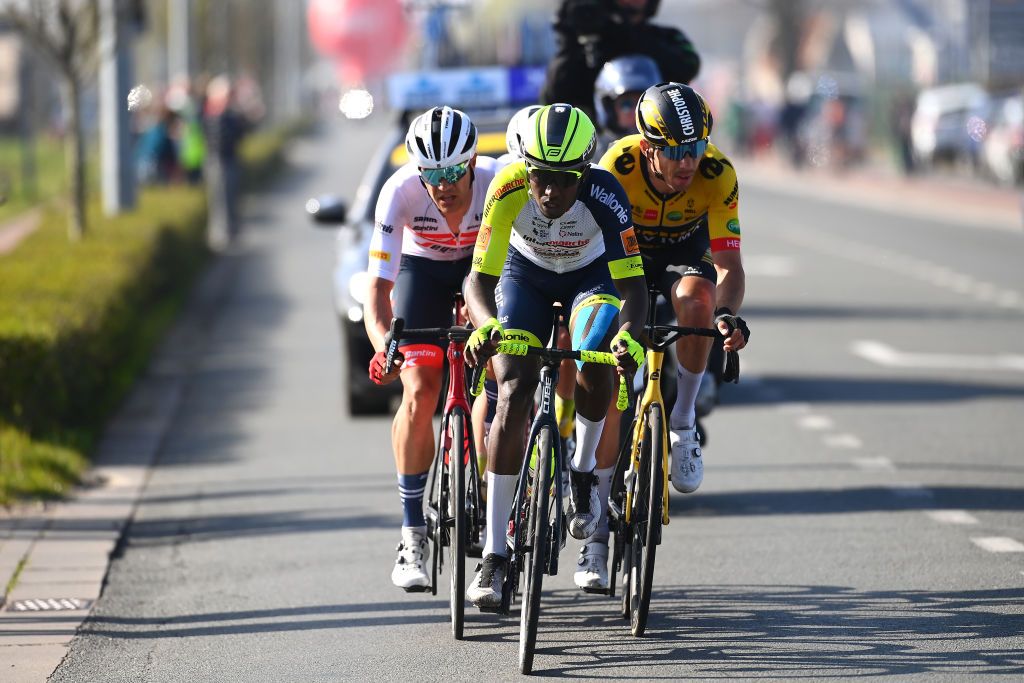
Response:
column 862, row 512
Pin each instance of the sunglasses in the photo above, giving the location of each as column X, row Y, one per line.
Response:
column 448, row 174
column 694, row 149
column 626, row 103
column 562, row 179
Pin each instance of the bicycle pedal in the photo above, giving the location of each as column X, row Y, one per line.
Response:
column 491, row 609
column 596, row 591
column 417, row 589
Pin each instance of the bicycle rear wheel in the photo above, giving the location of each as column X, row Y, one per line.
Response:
column 457, row 511
column 647, row 533
column 537, row 525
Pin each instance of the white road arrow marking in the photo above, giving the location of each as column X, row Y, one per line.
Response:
column 885, row 355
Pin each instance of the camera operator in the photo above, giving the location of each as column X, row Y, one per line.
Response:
column 592, row 32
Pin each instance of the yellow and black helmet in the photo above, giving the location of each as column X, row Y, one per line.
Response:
column 671, row 114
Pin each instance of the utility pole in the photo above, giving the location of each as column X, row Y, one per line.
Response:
column 288, row 41
column 117, row 169
column 179, row 38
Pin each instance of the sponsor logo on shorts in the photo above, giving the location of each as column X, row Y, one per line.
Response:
column 674, row 216
column 380, row 255
column 733, row 226
column 629, row 242
column 650, row 214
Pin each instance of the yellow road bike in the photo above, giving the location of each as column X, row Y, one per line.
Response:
column 638, row 503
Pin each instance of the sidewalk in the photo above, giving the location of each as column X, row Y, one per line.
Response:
column 60, row 552
column 965, row 201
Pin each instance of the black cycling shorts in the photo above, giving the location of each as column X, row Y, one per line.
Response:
column 423, row 293
column 689, row 258
column 526, row 293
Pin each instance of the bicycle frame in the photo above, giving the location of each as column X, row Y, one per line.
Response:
column 457, row 396
column 652, row 395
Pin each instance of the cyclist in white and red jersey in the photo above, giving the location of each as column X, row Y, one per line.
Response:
column 426, row 224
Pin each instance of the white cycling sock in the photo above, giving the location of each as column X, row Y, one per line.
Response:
column 683, row 413
column 604, row 488
column 501, row 489
column 588, row 435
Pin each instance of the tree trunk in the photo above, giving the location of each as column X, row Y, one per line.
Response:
column 74, row 157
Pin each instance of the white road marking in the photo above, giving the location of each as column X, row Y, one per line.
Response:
column 998, row 544
column 882, row 354
column 793, row 407
column 843, row 441
column 769, row 265
column 952, row 516
column 896, row 262
column 877, row 462
column 815, row 422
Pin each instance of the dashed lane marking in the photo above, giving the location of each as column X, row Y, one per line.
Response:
column 953, row 516
column 998, row 544
column 815, row 422
column 848, row 441
column 882, row 354
column 875, row 463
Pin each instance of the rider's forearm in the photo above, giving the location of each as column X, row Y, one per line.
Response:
column 633, row 291
column 377, row 311
column 731, row 287
column 480, row 297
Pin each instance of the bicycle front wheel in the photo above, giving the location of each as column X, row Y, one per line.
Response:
column 537, row 525
column 647, row 533
column 457, row 511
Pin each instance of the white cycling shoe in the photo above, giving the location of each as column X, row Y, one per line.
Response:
column 592, row 574
column 687, row 463
column 410, row 572
column 584, row 504
column 485, row 590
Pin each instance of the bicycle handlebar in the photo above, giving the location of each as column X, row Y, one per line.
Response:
column 511, row 348
column 673, row 332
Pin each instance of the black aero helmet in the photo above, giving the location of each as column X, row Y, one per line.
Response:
column 670, row 114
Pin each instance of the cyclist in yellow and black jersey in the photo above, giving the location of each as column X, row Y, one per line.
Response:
column 685, row 201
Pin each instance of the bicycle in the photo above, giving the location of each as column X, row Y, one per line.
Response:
column 536, row 530
column 638, row 502
column 455, row 511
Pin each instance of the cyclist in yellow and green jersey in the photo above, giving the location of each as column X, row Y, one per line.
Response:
column 554, row 228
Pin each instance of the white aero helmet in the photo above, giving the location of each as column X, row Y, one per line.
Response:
column 441, row 137
column 518, row 126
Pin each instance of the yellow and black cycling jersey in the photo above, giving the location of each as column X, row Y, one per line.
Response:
column 666, row 221
column 597, row 226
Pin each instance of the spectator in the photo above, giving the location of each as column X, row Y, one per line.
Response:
column 156, row 154
column 592, row 32
column 224, row 128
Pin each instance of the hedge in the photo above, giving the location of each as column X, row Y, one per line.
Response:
column 79, row 321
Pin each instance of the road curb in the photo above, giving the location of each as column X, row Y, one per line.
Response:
column 64, row 550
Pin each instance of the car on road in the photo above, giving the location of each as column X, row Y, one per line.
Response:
column 948, row 123
column 1002, row 152
column 350, row 277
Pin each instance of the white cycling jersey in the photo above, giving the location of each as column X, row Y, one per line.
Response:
column 406, row 221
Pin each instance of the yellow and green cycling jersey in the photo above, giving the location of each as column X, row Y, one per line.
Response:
column 597, row 226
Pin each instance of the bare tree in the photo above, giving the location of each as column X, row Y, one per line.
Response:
column 65, row 32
